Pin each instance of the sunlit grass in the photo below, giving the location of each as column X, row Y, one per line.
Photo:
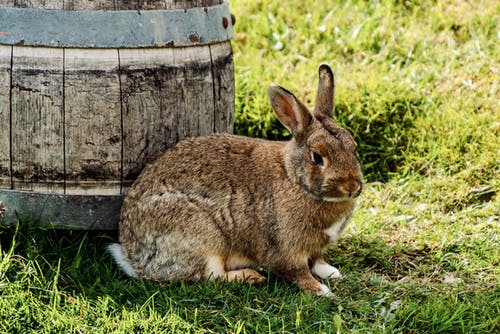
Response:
column 418, row 86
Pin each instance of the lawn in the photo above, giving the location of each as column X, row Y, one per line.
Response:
column 418, row 85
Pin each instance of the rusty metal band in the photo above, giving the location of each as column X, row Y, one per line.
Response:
column 115, row 29
column 62, row 211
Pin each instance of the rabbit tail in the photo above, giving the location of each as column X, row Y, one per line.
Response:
column 122, row 261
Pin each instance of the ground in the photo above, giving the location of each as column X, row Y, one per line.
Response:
column 418, row 86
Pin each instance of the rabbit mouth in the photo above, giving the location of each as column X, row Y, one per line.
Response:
column 334, row 191
column 338, row 192
column 331, row 196
column 337, row 199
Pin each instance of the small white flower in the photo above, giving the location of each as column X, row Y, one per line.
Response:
column 278, row 46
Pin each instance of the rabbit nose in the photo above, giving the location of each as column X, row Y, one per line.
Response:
column 351, row 188
column 358, row 189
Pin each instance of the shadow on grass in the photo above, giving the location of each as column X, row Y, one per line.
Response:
column 83, row 271
column 84, row 266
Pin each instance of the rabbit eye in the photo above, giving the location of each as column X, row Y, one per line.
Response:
column 317, row 159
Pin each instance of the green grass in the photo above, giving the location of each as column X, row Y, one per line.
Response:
column 418, row 86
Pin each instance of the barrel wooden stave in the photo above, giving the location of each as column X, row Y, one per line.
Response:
column 5, row 57
column 85, row 121
column 223, row 85
column 109, row 4
column 37, row 121
column 92, row 121
column 77, row 121
column 180, row 101
column 5, row 60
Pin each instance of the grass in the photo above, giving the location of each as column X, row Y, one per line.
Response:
column 418, row 86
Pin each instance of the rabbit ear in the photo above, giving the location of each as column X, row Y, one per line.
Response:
column 325, row 100
column 290, row 111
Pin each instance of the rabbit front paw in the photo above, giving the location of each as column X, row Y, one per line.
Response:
column 325, row 271
column 325, row 292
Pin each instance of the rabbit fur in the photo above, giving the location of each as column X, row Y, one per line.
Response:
column 221, row 205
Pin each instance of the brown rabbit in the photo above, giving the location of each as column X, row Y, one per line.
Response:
column 219, row 205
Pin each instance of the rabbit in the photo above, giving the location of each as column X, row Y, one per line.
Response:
column 222, row 205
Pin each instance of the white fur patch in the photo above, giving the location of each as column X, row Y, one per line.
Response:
column 325, row 291
column 334, row 231
column 336, row 199
column 215, row 267
column 325, row 271
column 117, row 252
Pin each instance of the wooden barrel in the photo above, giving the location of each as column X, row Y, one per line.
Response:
column 92, row 90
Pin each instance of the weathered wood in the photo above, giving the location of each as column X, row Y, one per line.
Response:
column 7, row 3
column 93, row 121
column 80, row 123
column 5, row 71
column 109, row 4
column 37, row 119
column 194, row 97
column 223, row 85
column 149, row 126
column 137, row 4
column 174, row 4
column 166, row 99
column 91, row 5
column 45, row 4
column 61, row 211
column 116, row 29
column 114, row 5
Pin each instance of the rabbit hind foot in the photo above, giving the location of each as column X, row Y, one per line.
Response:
column 215, row 270
column 246, row 275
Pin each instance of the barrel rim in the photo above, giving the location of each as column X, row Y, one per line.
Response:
column 116, row 28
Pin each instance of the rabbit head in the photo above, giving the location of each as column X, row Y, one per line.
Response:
column 321, row 157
